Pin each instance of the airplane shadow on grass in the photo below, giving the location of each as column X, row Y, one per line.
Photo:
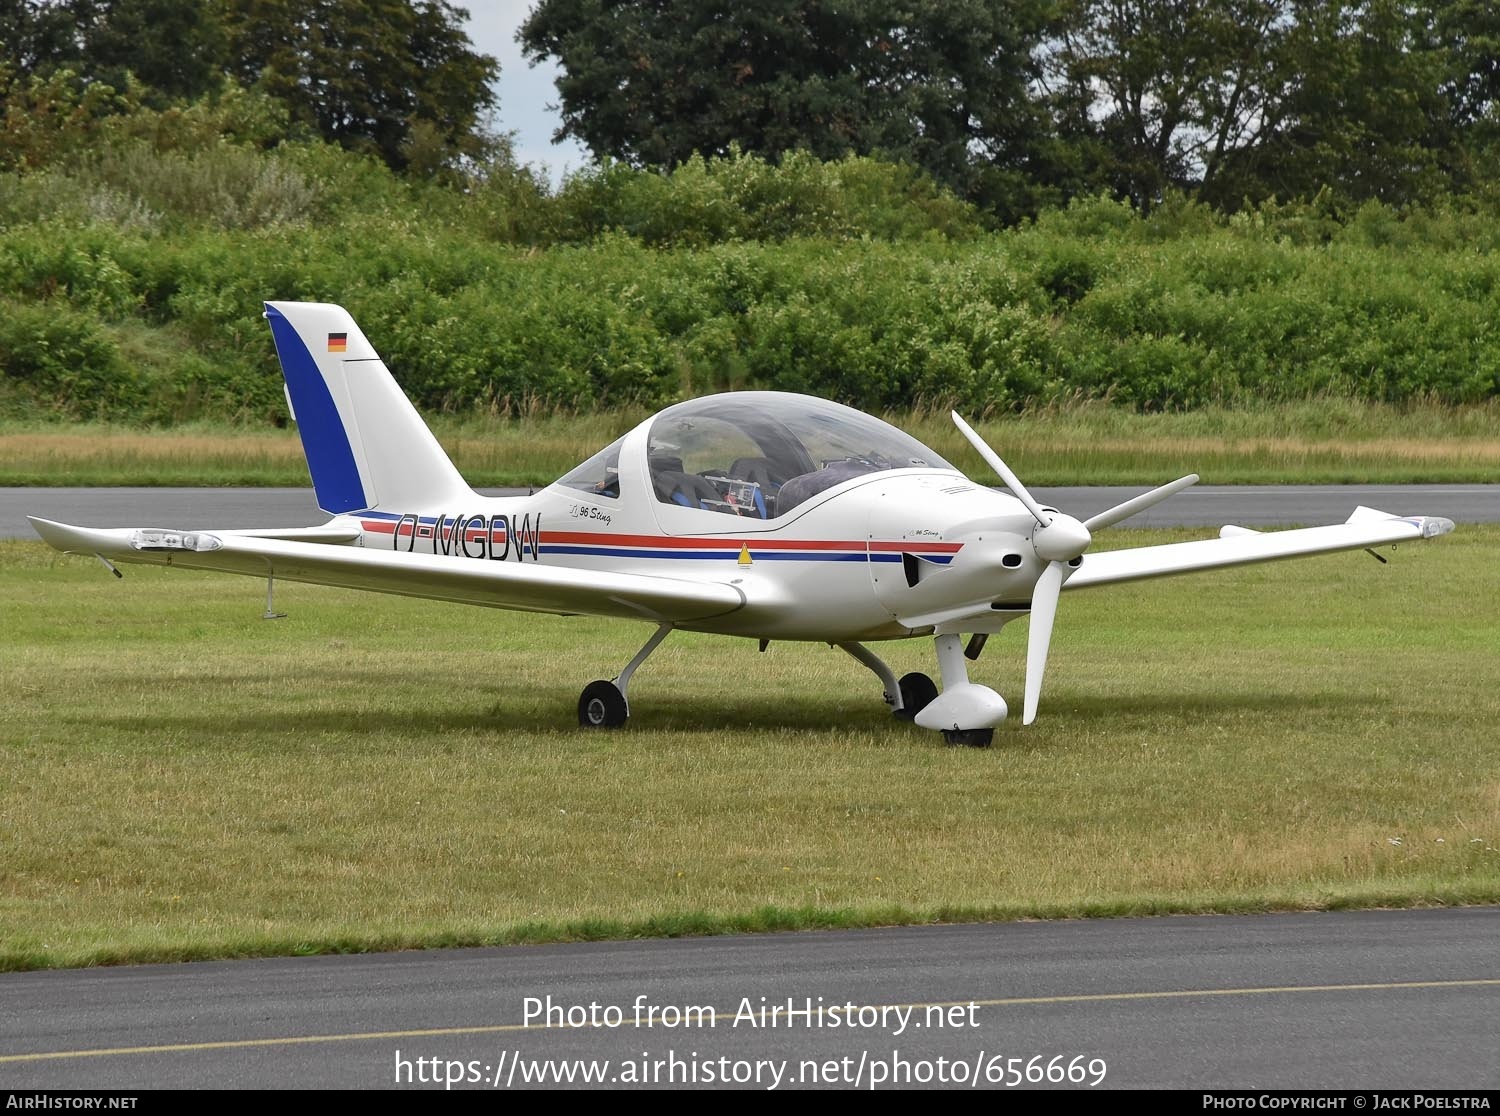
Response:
column 508, row 715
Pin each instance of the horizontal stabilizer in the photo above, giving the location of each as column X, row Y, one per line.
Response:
column 329, row 533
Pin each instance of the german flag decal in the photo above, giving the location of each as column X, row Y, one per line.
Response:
column 338, row 342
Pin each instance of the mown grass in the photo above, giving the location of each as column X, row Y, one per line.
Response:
column 184, row 780
column 1324, row 442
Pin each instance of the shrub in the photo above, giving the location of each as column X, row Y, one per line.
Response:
column 56, row 359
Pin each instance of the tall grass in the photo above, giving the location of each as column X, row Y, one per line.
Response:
column 1320, row 442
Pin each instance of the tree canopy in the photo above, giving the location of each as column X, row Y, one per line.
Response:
column 381, row 75
column 944, row 86
column 1013, row 105
column 398, row 78
column 1011, row 102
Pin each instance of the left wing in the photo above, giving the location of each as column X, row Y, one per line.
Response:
column 526, row 587
column 1237, row 546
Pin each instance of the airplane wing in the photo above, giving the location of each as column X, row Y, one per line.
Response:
column 1238, row 546
column 316, row 557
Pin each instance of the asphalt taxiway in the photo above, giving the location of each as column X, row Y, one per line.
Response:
column 1199, row 506
column 1369, row 999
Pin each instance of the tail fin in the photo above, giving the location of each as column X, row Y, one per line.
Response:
column 366, row 445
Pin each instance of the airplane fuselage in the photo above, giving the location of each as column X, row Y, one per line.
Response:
column 928, row 542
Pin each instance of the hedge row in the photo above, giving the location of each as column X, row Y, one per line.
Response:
column 107, row 311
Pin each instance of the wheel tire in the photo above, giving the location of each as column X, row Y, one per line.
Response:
column 969, row 738
column 917, row 692
column 602, row 706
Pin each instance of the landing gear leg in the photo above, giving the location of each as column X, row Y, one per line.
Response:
column 604, row 704
column 906, row 697
column 892, row 693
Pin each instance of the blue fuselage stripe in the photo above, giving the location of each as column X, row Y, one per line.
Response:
column 720, row 555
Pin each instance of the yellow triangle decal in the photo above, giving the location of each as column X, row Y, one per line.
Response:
column 744, row 555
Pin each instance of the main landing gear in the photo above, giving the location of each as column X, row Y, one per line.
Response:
column 964, row 713
column 917, row 693
column 603, row 704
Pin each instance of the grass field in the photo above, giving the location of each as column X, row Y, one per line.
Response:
column 1324, row 442
column 180, row 779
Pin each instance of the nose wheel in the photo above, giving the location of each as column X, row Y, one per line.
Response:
column 964, row 713
column 969, row 738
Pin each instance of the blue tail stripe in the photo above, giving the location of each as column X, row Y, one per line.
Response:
column 330, row 457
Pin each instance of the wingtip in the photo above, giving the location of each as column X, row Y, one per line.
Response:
column 1431, row 526
column 68, row 538
column 54, row 534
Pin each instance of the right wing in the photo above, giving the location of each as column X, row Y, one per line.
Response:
column 1237, row 547
column 523, row 586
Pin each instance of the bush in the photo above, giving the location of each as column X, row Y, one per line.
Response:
column 133, row 283
column 223, row 186
column 55, row 359
column 744, row 197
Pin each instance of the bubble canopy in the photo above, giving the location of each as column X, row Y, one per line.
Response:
column 758, row 454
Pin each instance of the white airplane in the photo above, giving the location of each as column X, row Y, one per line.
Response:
column 756, row 514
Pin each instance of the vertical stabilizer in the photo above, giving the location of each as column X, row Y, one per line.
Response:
column 366, row 445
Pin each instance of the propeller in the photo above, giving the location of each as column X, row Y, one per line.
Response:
column 1058, row 539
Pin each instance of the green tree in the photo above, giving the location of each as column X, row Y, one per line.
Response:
column 1160, row 95
column 1468, row 34
column 36, row 36
column 1244, row 99
column 393, row 77
column 945, row 86
column 953, row 85
column 176, row 48
column 43, row 119
column 650, row 82
column 1361, row 111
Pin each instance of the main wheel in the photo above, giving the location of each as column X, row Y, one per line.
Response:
column 602, row 706
column 969, row 738
column 917, row 692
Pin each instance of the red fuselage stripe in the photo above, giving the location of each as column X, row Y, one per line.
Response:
column 755, row 541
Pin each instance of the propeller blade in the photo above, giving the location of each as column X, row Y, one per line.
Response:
column 1140, row 503
column 1012, row 481
column 1039, row 638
